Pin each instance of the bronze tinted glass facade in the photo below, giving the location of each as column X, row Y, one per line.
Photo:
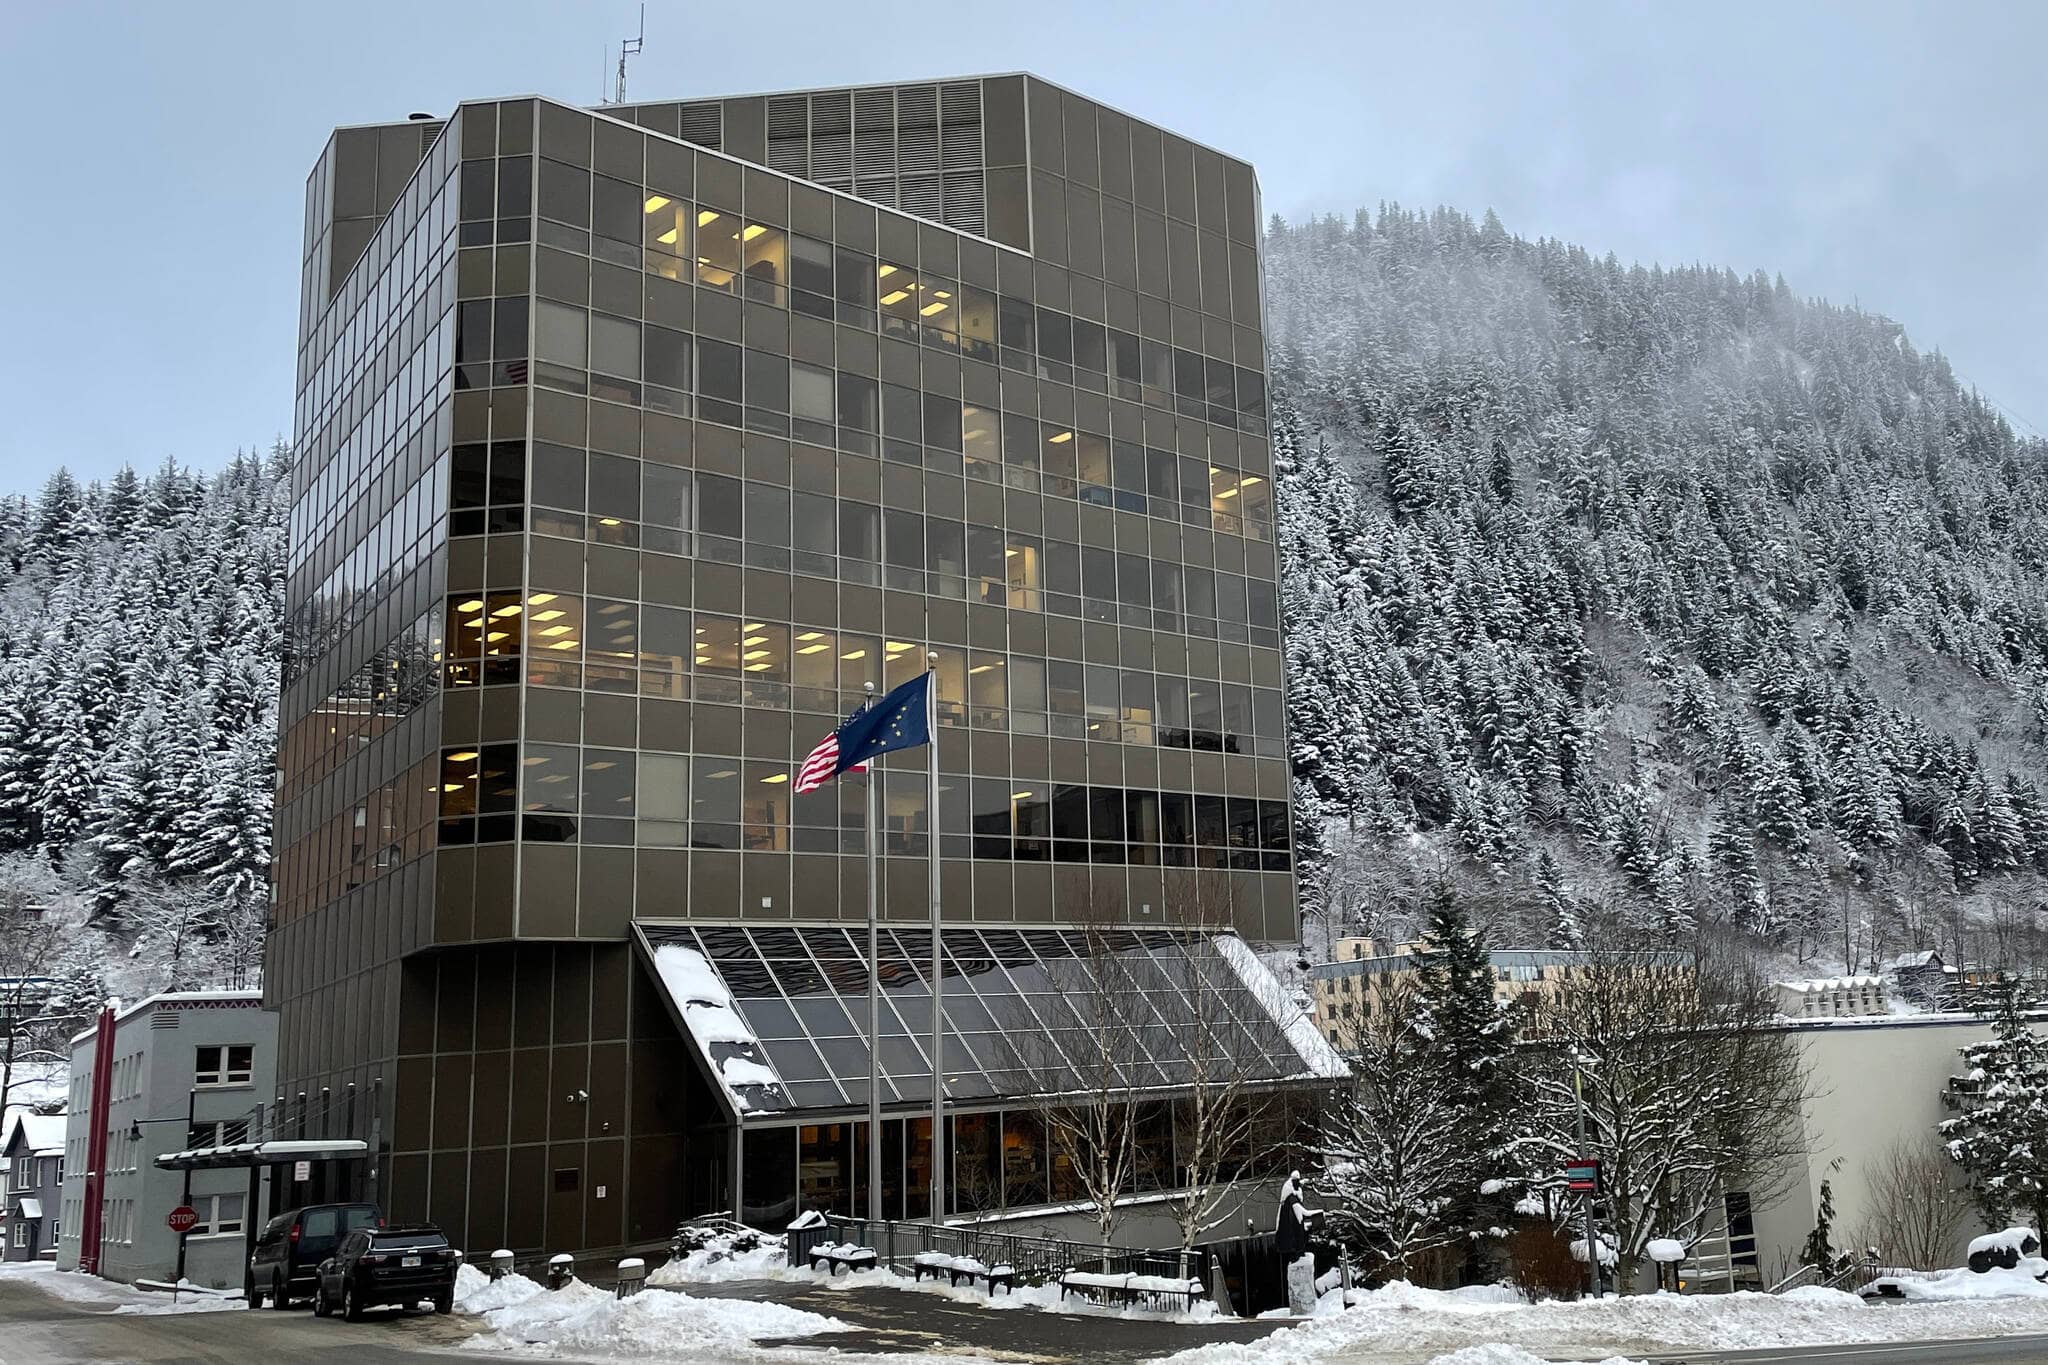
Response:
column 634, row 443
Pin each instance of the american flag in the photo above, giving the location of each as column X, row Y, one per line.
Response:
column 822, row 764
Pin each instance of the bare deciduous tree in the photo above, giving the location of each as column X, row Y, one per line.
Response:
column 1082, row 1075
column 1220, row 1104
column 1688, row 1089
column 1917, row 1205
column 1393, row 1163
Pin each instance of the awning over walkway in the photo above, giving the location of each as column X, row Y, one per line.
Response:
column 779, row 1013
column 245, row 1154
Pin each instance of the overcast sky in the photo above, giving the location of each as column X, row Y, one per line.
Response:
column 154, row 156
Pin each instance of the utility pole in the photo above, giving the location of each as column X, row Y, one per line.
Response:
column 1579, row 1115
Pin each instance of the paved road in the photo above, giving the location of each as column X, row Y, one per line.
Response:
column 903, row 1320
column 39, row 1329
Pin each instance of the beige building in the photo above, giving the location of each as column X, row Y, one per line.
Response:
column 1351, row 988
column 1833, row 997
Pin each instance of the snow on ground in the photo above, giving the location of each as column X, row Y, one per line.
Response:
column 111, row 1295
column 1403, row 1319
column 581, row 1320
column 1964, row 1286
column 1496, row 1353
column 717, row 1260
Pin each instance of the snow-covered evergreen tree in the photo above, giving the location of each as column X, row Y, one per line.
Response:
column 1999, row 1134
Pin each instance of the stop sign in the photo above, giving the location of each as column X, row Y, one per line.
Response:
column 182, row 1218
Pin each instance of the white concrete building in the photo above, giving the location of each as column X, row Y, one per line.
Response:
column 209, row 1055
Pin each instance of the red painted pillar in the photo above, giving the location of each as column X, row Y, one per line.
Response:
column 96, row 1144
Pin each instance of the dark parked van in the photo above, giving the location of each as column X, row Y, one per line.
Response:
column 287, row 1258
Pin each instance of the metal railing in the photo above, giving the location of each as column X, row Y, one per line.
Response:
column 1035, row 1259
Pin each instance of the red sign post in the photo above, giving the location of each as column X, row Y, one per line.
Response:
column 182, row 1219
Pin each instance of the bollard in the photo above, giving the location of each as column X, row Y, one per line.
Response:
column 632, row 1277
column 501, row 1264
column 561, row 1270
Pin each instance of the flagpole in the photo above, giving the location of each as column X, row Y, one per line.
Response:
column 874, row 777
column 931, row 703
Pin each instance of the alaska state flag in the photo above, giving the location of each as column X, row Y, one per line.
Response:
column 899, row 720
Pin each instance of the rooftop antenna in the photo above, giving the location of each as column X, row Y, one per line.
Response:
column 629, row 47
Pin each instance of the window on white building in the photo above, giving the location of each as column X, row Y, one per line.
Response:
column 230, row 1064
column 219, row 1215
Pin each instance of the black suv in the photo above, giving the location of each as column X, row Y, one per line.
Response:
column 388, row 1266
column 294, row 1244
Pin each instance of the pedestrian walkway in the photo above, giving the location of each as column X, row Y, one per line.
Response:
column 888, row 1319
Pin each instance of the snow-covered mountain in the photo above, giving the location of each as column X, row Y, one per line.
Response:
column 1659, row 594
column 139, row 646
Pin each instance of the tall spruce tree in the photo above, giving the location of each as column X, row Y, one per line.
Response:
column 1469, row 1040
column 1999, row 1135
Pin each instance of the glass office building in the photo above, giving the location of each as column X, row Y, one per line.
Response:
column 632, row 443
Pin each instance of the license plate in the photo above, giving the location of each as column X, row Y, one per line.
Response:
column 408, row 1262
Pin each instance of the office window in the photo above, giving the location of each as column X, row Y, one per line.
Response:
column 229, row 1064
column 220, row 1215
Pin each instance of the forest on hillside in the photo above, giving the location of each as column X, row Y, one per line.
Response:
column 140, row 639
column 1616, row 595
column 1654, row 598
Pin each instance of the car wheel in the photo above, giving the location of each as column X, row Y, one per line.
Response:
column 445, row 1304
column 351, row 1308
column 320, row 1308
column 252, row 1294
column 278, row 1298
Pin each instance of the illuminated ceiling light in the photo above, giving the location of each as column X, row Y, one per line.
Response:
column 463, row 757
column 1059, row 438
column 607, row 521
column 1214, row 470
column 530, row 761
column 814, row 649
column 1226, row 493
column 553, row 613
column 552, row 631
column 726, row 772
column 563, row 644
column 856, row 654
column 499, row 635
column 810, row 635
column 756, row 668
column 669, row 238
column 940, row 294
column 1019, row 796
column 753, row 625
column 774, row 778
column 610, row 608
column 657, row 202
column 700, row 630
column 897, row 297
column 1248, row 480
column 512, row 610
column 600, row 765
column 706, row 215
column 758, row 654
column 894, row 646
column 753, row 230
column 1010, row 553
column 884, row 271
column 930, row 309
column 981, row 668
column 473, row 604
column 451, row 786
column 753, row 640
